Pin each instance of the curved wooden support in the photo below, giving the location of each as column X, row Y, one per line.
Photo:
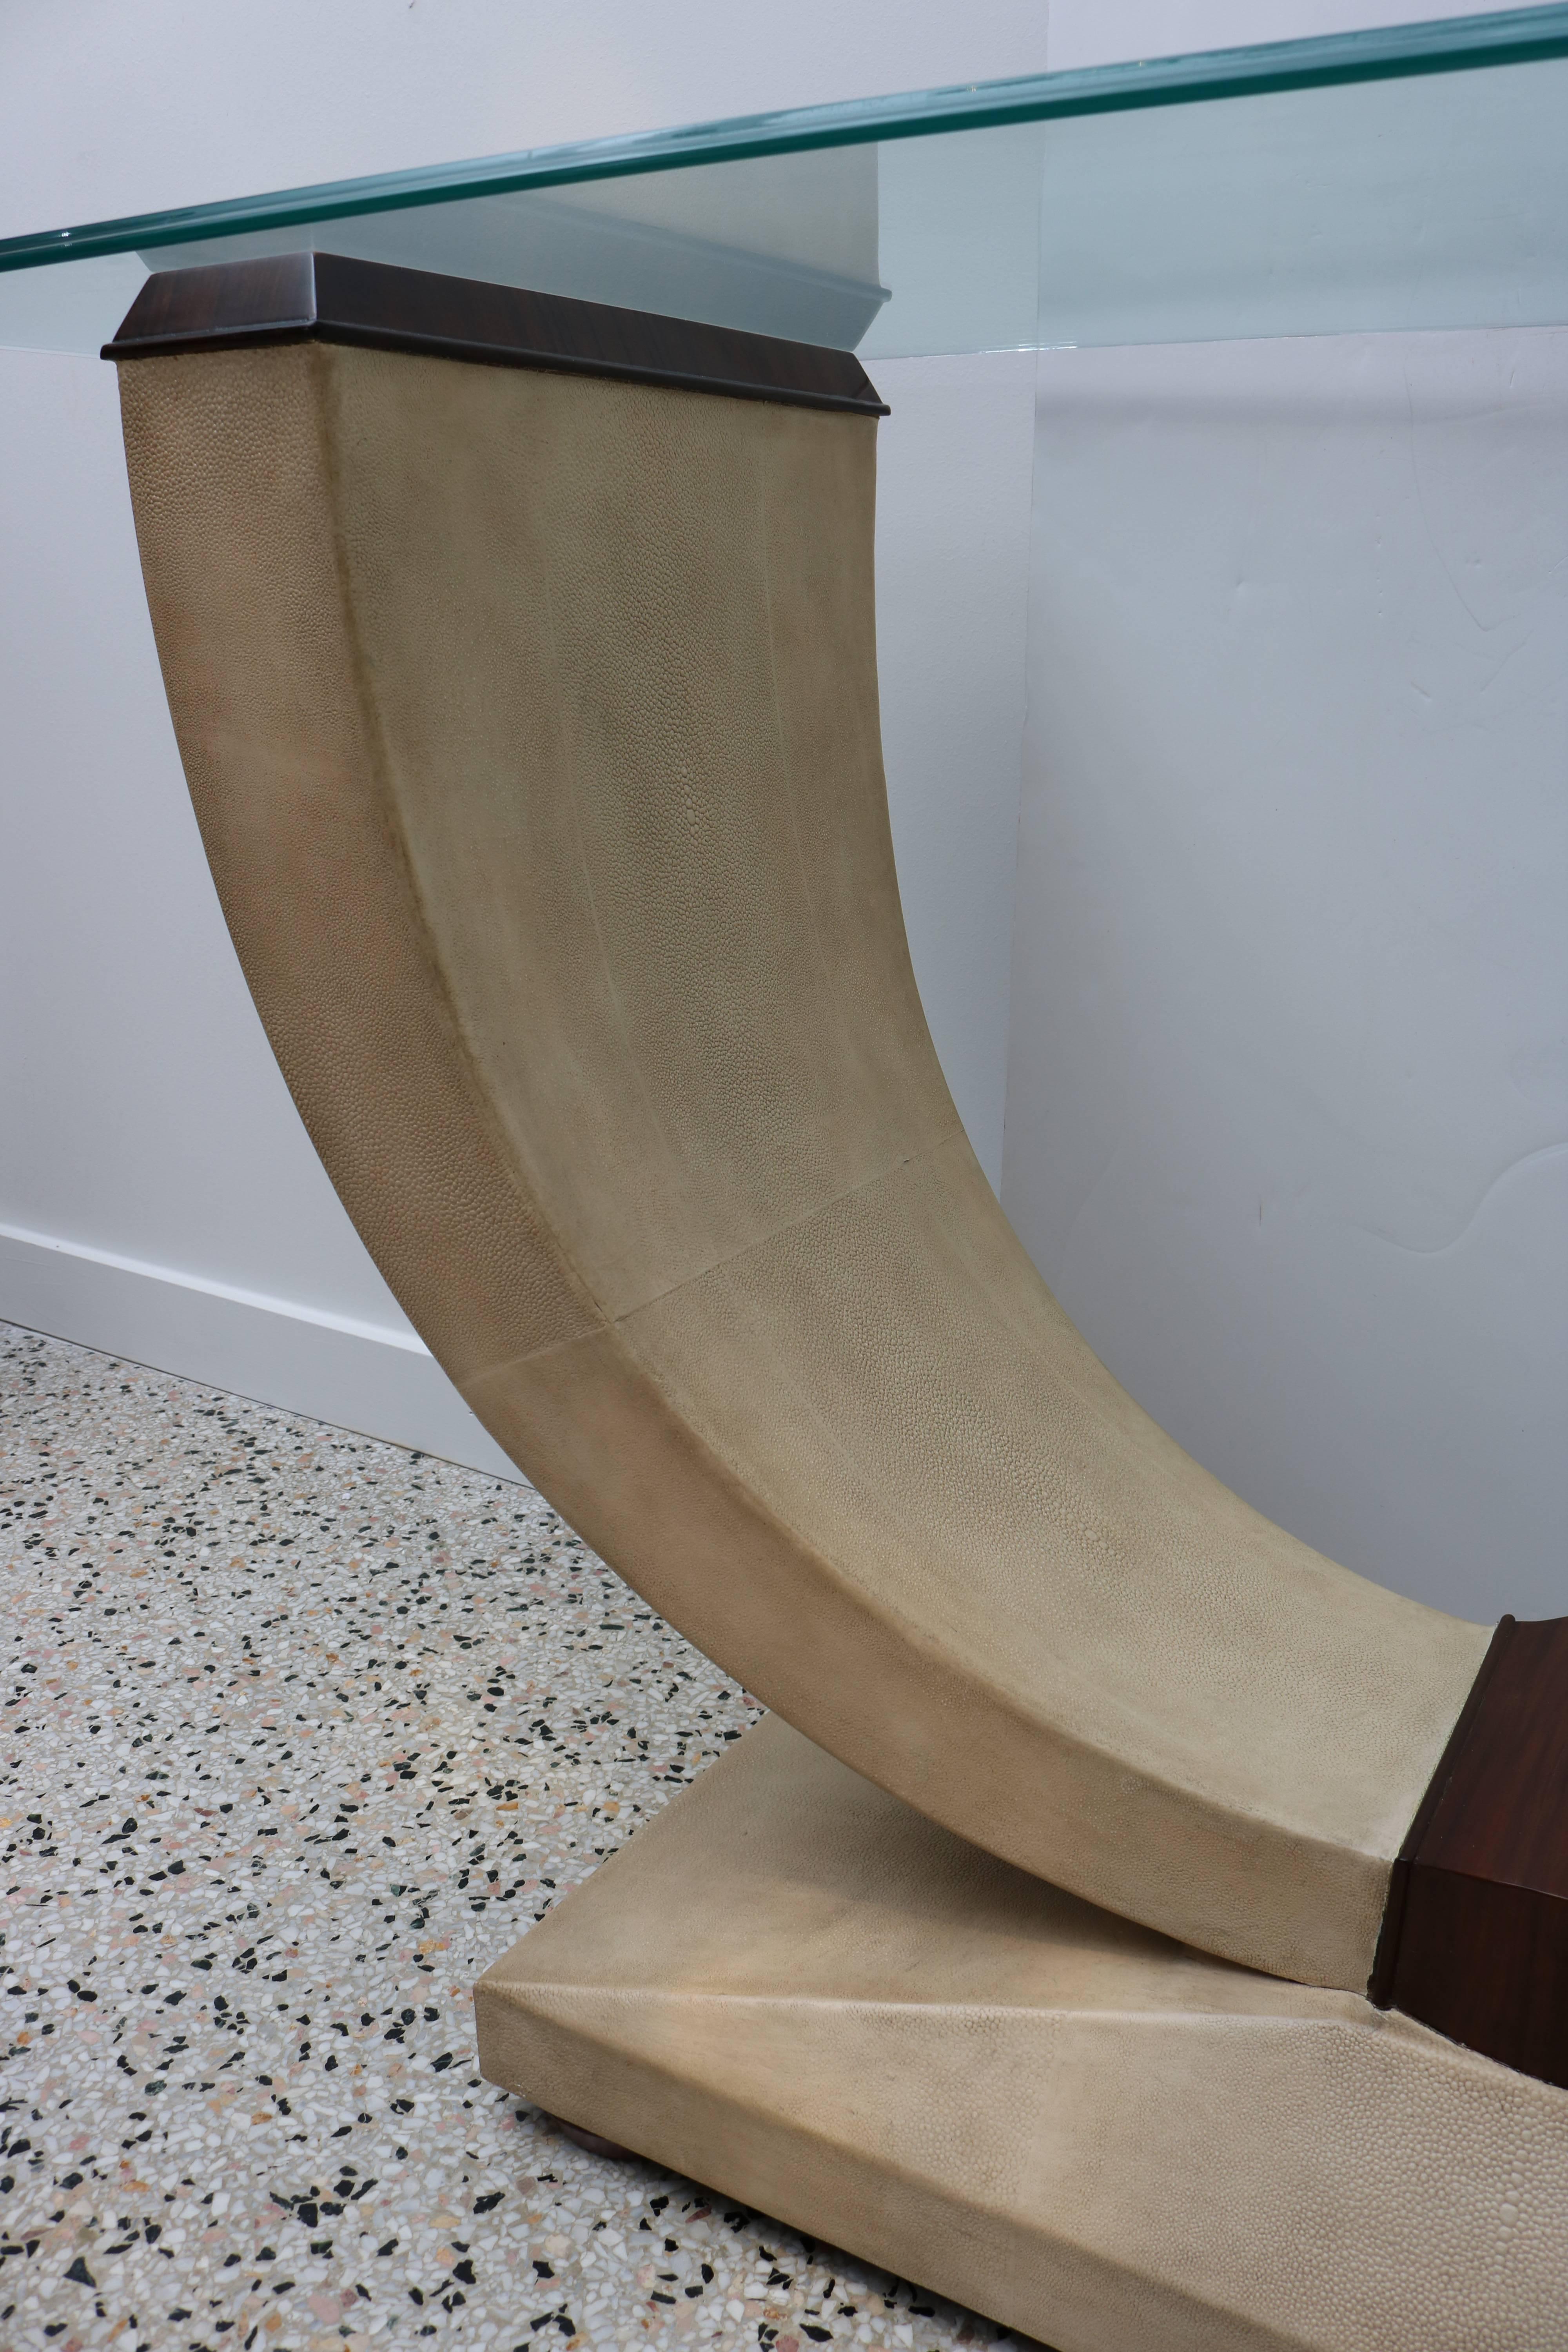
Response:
column 530, row 719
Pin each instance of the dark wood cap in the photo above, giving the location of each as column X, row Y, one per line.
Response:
column 326, row 297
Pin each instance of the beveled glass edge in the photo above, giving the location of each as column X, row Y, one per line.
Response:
column 1445, row 44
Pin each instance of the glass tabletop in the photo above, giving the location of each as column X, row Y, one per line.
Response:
column 1413, row 177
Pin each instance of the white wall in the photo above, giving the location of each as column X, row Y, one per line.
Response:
column 107, row 109
column 953, row 468
column 1287, row 1112
column 142, row 1124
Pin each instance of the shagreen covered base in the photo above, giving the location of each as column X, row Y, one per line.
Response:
column 795, row 1988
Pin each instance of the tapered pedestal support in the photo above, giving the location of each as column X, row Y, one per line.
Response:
column 799, row 1991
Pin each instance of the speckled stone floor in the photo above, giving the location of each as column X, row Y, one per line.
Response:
column 299, row 1732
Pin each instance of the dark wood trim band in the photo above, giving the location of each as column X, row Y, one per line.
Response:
column 1475, row 1934
column 328, row 298
column 1380, row 1991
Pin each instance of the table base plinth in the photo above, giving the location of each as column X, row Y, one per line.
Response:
column 802, row 1994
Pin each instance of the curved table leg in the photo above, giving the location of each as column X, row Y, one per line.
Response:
column 529, row 715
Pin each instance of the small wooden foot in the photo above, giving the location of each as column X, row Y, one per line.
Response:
column 593, row 2142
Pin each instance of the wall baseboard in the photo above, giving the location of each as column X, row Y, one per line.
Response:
column 381, row 1382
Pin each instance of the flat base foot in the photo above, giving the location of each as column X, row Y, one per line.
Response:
column 796, row 1990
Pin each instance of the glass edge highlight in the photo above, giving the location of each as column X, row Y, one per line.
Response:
column 1446, row 45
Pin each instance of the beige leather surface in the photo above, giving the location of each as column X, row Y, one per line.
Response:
column 531, row 725
column 799, row 1991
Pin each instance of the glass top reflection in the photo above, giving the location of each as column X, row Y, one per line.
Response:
column 1411, row 178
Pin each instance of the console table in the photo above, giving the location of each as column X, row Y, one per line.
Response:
column 1129, row 1921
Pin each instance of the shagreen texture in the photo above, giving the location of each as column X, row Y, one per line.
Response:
column 798, row 1988
column 531, row 725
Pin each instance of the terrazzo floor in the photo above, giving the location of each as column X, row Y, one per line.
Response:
column 299, row 1732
